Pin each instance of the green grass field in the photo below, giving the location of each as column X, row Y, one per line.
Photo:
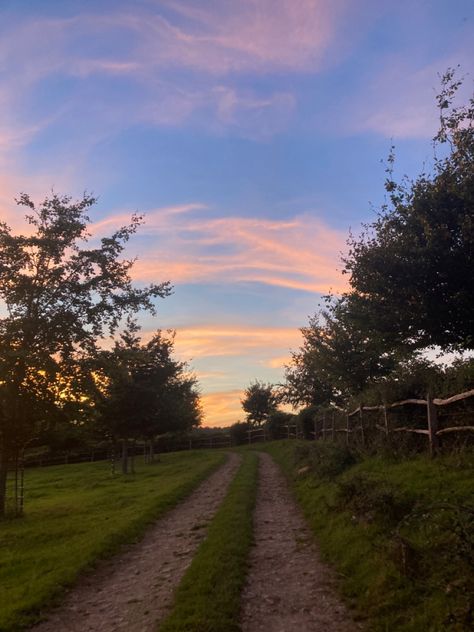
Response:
column 400, row 533
column 208, row 597
column 76, row 514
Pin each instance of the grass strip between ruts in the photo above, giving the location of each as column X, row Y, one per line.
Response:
column 208, row 597
column 77, row 514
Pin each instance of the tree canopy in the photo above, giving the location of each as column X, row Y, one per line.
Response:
column 411, row 272
column 260, row 400
column 60, row 292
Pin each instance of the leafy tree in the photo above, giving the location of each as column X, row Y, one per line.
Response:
column 59, row 295
column 337, row 359
column 259, row 401
column 143, row 391
column 411, row 272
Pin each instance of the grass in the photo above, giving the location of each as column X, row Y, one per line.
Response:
column 400, row 533
column 76, row 514
column 208, row 597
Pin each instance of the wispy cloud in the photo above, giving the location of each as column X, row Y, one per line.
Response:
column 217, row 340
column 244, row 36
column 155, row 47
column 301, row 252
column 399, row 101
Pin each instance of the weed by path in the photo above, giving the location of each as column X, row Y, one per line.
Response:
column 208, row 598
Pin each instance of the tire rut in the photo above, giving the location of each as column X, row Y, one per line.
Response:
column 288, row 587
column 133, row 591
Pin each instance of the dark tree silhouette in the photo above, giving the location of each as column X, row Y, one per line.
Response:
column 59, row 295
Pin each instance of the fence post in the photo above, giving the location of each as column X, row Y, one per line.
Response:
column 385, row 418
column 361, row 418
column 333, row 426
column 432, row 425
column 324, row 426
column 347, row 428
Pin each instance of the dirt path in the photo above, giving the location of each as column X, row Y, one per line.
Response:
column 288, row 589
column 134, row 590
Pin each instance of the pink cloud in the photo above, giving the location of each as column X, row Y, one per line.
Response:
column 301, row 253
column 216, row 40
column 269, row 35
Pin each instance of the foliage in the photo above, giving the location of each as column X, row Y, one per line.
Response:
column 77, row 515
column 259, row 401
column 411, row 379
column 277, row 423
column 337, row 359
column 59, row 295
column 238, row 433
column 142, row 391
column 411, row 271
column 325, row 459
column 305, row 421
column 208, row 597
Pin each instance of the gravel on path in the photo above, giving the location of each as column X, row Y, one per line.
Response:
column 288, row 588
column 133, row 591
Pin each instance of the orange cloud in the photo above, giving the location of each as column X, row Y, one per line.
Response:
column 278, row 362
column 222, row 408
column 200, row 342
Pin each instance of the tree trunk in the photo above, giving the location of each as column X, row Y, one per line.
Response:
column 151, row 452
column 124, row 456
column 3, row 483
column 132, row 459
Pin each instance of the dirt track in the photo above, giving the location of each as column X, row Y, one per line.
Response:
column 288, row 588
column 133, row 591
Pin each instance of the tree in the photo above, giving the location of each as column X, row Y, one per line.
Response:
column 259, row 401
column 143, row 391
column 60, row 295
column 337, row 359
column 411, row 272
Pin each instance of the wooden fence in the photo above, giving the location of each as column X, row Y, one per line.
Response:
column 356, row 423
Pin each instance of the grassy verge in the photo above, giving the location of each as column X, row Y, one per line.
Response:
column 401, row 533
column 76, row 514
column 208, row 597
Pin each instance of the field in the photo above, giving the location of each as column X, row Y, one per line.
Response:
column 76, row 514
column 399, row 533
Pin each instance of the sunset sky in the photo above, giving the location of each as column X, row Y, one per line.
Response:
column 250, row 133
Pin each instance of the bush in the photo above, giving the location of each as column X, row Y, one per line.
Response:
column 374, row 500
column 238, row 433
column 327, row 460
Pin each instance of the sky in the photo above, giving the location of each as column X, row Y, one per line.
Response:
column 251, row 134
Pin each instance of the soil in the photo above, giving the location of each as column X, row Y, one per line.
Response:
column 288, row 587
column 133, row 591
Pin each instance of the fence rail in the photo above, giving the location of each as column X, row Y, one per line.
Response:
column 431, row 430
